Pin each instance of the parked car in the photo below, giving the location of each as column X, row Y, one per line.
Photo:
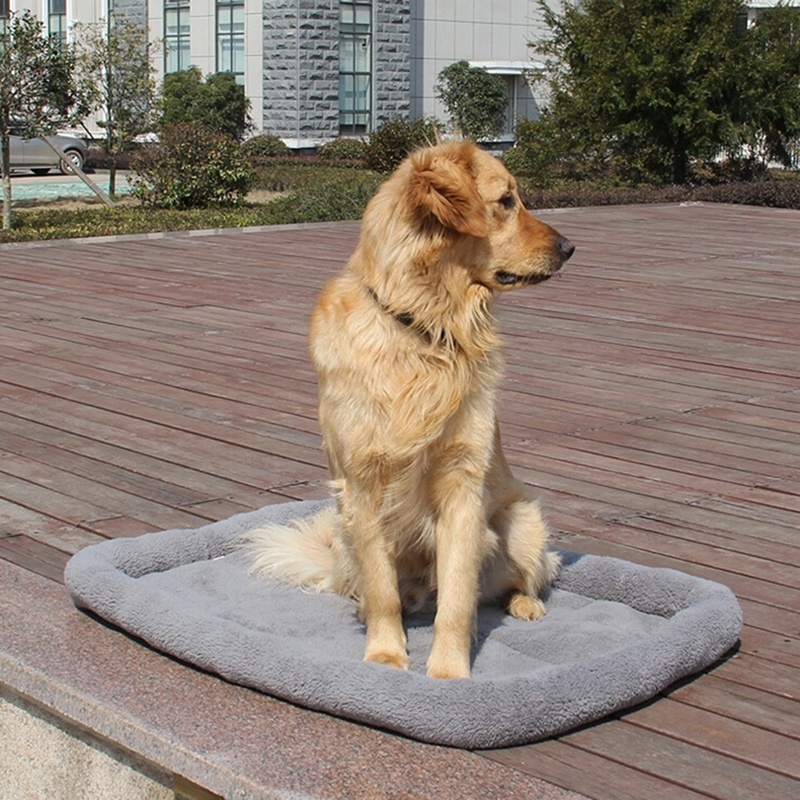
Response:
column 35, row 154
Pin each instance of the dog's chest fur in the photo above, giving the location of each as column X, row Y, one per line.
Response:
column 405, row 385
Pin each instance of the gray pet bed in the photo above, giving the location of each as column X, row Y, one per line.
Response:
column 615, row 634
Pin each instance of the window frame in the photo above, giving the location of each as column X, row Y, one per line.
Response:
column 177, row 46
column 230, row 41
column 356, row 31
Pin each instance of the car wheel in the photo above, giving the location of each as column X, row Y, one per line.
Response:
column 41, row 170
column 74, row 159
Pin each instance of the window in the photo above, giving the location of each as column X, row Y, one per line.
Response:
column 355, row 67
column 3, row 16
column 230, row 37
column 176, row 35
column 57, row 20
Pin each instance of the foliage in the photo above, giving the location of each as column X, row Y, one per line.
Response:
column 122, row 220
column 779, row 190
column 395, row 139
column 218, row 104
column 330, row 201
column 300, row 172
column 115, row 61
column 476, row 101
column 266, row 144
column 771, row 193
column 37, row 88
column 770, row 93
column 767, row 193
column 191, row 168
column 343, row 150
column 547, row 155
column 657, row 84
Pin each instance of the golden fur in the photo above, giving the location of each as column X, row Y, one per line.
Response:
column 408, row 362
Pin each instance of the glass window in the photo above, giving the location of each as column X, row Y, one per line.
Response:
column 355, row 66
column 57, row 20
column 176, row 35
column 230, row 37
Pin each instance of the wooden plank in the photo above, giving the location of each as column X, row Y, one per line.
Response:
column 16, row 520
column 256, row 468
column 34, row 556
column 745, row 743
column 761, row 709
column 650, row 398
column 103, row 453
column 592, row 775
column 669, row 759
column 76, row 494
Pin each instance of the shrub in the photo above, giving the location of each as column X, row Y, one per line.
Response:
column 343, row 150
column 476, row 100
column 329, row 201
column 395, row 139
column 286, row 174
column 579, row 195
column 773, row 193
column 265, row 145
column 191, row 168
column 546, row 155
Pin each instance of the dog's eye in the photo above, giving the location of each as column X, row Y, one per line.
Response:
column 508, row 201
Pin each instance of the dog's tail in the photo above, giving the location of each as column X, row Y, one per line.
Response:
column 303, row 552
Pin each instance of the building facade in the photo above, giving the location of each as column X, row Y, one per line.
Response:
column 314, row 70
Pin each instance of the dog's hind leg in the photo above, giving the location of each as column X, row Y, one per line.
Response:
column 524, row 567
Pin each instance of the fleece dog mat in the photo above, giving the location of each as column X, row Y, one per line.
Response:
column 616, row 633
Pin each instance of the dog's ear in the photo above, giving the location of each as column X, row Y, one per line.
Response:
column 443, row 186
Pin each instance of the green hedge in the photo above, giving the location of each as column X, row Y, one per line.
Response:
column 326, row 193
column 773, row 193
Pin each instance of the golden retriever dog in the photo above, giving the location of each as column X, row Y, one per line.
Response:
column 408, row 361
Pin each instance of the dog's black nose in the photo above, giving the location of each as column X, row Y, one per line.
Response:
column 565, row 247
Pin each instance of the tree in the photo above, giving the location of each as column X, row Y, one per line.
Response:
column 116, row 62
column 662, row 82
column 37, row 90
column 771, row 94
column 218, row 104
column 476, row 100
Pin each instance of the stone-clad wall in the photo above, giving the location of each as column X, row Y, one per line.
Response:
column 392, row 46
column 301, row 66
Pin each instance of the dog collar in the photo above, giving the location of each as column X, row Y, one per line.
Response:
column 406, row 319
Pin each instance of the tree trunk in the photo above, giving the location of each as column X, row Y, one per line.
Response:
column 680, row 164
column 6, row 171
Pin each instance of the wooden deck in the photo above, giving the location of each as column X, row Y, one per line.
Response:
column 652, row 398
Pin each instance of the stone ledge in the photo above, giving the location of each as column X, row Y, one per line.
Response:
column 172, row 728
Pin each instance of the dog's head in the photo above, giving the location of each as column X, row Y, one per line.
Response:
column 465, row 193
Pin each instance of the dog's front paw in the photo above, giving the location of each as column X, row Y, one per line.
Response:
column 523, row 606
column 397, row 659
column 448, row 667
